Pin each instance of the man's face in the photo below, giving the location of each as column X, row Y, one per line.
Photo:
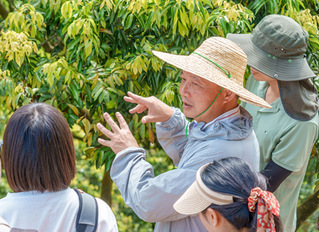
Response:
column 197, row 94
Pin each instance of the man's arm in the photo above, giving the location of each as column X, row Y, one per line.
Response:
column 151, row 198
column 171, row 135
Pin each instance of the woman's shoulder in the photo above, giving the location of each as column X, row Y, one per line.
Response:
column 107, row 220
column 4, row 227
column 104, row 208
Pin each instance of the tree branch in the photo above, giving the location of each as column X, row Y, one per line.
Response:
column 11, row 5
column 47, row 46
column 3, row 11
column 307, row 208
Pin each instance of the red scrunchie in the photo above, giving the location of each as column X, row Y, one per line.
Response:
column 267, row 207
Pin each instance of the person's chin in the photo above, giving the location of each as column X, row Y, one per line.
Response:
column 257, row 78
column 188, row 113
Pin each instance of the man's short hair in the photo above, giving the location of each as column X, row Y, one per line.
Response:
column 38, row 151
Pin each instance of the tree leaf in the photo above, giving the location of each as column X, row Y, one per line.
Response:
column 74, row 109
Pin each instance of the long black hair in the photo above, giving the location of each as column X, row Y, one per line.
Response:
column 236, row 177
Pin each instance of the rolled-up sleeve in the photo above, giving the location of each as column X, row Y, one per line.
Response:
column 171, row 135
column 294, row 146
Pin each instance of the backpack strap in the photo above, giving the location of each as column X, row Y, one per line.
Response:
column 87, row 217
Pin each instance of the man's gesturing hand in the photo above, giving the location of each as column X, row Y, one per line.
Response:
column 120, row 136
column 158, row 111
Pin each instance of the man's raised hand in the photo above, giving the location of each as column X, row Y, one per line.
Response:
column 158, row 111
column 120, row 136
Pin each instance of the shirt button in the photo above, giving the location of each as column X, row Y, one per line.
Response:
column 275, row 75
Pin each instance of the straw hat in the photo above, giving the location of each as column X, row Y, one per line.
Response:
column 211, row 60
column 198, row 197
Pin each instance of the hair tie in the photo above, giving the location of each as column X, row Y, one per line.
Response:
column 268, row 206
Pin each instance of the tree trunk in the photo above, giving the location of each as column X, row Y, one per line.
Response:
column 307, row 208
column 106, row 188
column 3, row 11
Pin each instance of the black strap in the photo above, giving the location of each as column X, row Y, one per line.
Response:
column 87, row 217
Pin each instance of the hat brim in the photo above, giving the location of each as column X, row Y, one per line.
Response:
column 204, row 69
column 191, row 202
column 278, row 68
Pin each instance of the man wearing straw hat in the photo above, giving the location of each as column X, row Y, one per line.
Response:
column 287, row 132
column 211, row 81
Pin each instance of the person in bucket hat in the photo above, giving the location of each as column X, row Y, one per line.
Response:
column 287, row 132
column 230, row 195
column 211, row 80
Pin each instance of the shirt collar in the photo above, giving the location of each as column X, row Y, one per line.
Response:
column 233, row 112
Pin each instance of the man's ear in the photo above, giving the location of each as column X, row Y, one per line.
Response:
column 228, row 96
column 213, row 218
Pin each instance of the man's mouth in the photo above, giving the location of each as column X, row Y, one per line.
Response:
column 186, row 105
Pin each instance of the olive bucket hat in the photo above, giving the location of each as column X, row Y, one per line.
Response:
column 277, row 47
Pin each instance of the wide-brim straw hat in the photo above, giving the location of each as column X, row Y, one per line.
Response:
column 198, row 197
column 214, row 57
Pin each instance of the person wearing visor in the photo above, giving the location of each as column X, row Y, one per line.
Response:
column 287, row 132
column 212, row 78
column 229, row 195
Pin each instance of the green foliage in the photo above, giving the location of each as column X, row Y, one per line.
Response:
column 310, row 225
column 309, row 184
column 4, row 186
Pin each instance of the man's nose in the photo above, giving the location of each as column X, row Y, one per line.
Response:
column 184, row 89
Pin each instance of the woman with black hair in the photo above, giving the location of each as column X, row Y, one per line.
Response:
column 230, row 195
column 39, row 162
